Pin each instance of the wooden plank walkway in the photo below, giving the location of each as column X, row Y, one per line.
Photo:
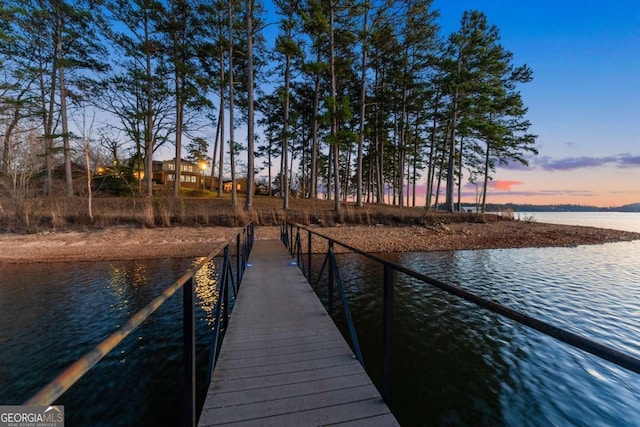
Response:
column 283, row 362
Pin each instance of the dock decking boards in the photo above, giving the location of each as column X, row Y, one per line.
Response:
column 283, row 362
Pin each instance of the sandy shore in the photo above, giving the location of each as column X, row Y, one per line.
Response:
column 139, row 243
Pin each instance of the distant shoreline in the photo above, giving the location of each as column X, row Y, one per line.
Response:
column 130, row 243
column 630, row 208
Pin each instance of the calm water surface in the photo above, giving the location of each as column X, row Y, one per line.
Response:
column 627, row 221
column 52, row 314
column 456, row 364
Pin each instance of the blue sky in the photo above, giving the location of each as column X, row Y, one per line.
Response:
column 584, row 101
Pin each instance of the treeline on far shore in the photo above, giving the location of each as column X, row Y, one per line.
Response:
column 633, row 207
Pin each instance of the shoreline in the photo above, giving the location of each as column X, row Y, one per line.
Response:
column 131, row 243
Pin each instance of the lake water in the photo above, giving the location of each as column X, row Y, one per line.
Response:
column 627, row 221
column 455, row 364
column 52, row 314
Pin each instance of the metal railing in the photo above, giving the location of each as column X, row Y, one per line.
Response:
column 295, row 249
column 243, row 242
column 293, row 242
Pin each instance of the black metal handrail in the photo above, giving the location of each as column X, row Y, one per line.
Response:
column 295, row 249
column 604, row 352
column 243, row 242
column 223, row 307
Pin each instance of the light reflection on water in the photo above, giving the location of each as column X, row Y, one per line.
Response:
column 207, row 292
column 52, row 314
column 456, row 364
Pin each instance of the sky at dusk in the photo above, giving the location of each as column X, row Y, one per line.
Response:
column 584, row 100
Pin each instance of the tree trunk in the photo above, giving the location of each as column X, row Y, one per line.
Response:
column 47, row 124
column 334, row 120
column 403, row 127
column 222, row 119
column 345, row 189
column 88, row 171
column 215, row 151
column 460, row 173
column 178, row 159
column 290, row 179
column 303, row 193
column 329, row 190
column 234, row 194
column 178, row 80
column 370, row 179
column 4, row 165
column 432, row 155
column 363, row 99
column 379, row 159
column 68, row 173
column 380, row 168
column 440, row 168
column 285, row 130
column 250, row 113
column 270, row 177
column 486, row 178
column 415, row 167
column 148, row 132
column 316, row 125
column 452, row 153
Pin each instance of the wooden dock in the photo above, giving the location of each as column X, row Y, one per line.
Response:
column 283, row 362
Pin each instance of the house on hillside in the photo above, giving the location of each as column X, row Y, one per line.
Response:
column 241, row 186
column 190, row 175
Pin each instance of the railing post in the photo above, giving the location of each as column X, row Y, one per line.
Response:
column 247, row 244
column 238, row 260
column 298, row 248
column 253, row 235
column 309, row 255
column 224, row 294
column 242, row 245
column 387, row 333
column 188, row 356
column 291, row 238
column 330, row 285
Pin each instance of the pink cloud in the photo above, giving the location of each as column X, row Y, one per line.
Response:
column 504, row 185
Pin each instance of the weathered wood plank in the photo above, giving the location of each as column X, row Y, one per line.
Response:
column 266, row 381
column 224, row 374
column 287, row 406
column 283, row 361
column 290, row 389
